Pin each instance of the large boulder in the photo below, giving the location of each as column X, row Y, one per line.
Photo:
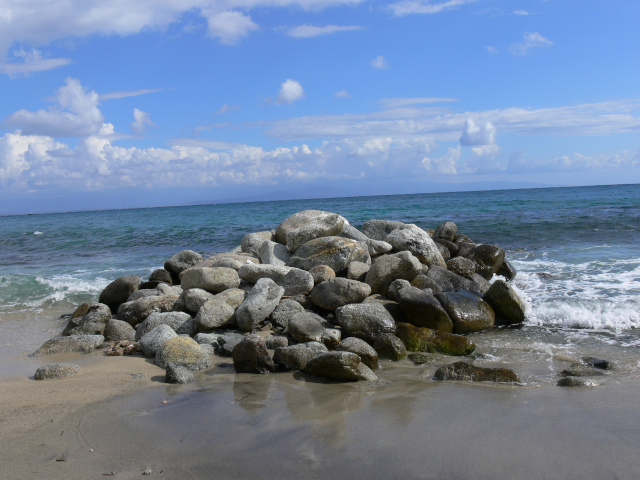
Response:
column 418, row 339
column 391, row 347
column 252, row 242
column 335, row 252
column 72, row 343
column 353, row 233
column 306, row 327
column 344, row 366
column 215, row 313
column 56, row 370
column 261, row 301
column 322, row 273
column 386, row 269
column 251, row 356
column 365, row 320
column 390, row 306
column 178, row 374
column 274, row 253
column 380, row 229
column 180, row 262
column 488, row 257
column 462, row 266
column 467, row 311
column 232, row 260
column 294, row 280
column 507, row 305
column 415, row 240
column 88, row 319
column 339, row 291
column 366, row 352
column 446, row 231
column 423, row 310
column 357, row 271
column 211, row 279
column 182, row 351
column 161, row 275
column 135, row 312
column 507, row 270
column 448, row 281
column 155, row 338
column 423, row 282
column 118, row 291
column 228, row 342
column 117, row 330
column 283, row 313
column 307, row 225
column 195, row 298
column 467, row 371
column 376, row 247
column 175, row 320
column 296, row 357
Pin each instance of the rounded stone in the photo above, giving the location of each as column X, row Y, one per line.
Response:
column 182, row 351
column 56, row 370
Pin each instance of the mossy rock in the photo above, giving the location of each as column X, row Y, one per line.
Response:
column 420, row 339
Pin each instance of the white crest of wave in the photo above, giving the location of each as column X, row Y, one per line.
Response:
column 66, row 286
column 38, row 233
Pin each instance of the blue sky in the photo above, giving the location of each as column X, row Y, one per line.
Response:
column 159, row 102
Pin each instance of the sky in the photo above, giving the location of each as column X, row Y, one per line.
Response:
column 116, row 104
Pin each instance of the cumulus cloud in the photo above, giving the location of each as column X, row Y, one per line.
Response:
column 230, row 27
column 290, row 91
column 474, row 134
column 529, row 42
column 141, row 122
column 26, row 62
column 308, row 31
column 379, row 62
column 342, row 94
column 408, row 7
column 76, row 114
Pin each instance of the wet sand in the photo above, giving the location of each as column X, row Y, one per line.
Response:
column 105, row 423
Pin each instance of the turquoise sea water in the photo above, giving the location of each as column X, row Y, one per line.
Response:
column 576, row 249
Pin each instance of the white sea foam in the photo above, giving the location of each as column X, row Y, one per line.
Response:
column 38, row 233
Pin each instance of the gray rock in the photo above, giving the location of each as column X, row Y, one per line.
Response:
column 507, row 270
column 450, row 282
column 117, row 330
column 462, row 266
column 285, row 310
column 297, row 282
column 415, row 240
column 294, row 280
column 56, row 370
column 597, row 363
column 296, row 357
column 322, row 273
column 207, row 338
column 444, row 251
column 135, row 312
column 252, row 242
column 73, row 343
column 180, row 262
column 211, row 279
column 423, row 310
column 178, row 374
column 581, row 370
column 460, row 239
column 420, row 339
column 395, row 286
column 117, row 292
column 306, row 327
column 379, row 229
column 390, row 306
column 488, row 257
column 576, row 382
column 377, row 247
column 446, row 231
column 331, row 336
column 365, row 320
column 339, row 291
column 215, row 313
column 308, row 225
column 172, row 319
column 164, row 289
column 228, row 260
column 251, row 356
column 506, row 303
column 274, row 253
column 389, row 346
column 467, row 311
column 227, row 343
column 155, row 338
column 274, row 342
column 353, row 233
column 388, row 268
column 335, row 252
column 467, row 371
column 261, row 301
column 481, row 284
column 451, row 247
column 182, row 351
column 88, row 319
column 357, row 271
column 188, row 327
column 195, row 298
column 344, row 366
column 419, row 358
column 366, row 352
column 161, row 275
column 143, row 293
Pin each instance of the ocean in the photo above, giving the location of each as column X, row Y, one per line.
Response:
column 575, row 249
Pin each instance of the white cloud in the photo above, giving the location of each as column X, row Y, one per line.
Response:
column 75, row 115
column 230, row 26
column 491, row 49
column 126, row 94
column 308, row 31
column 227, row 108
column 342, row 94
column 406, row 102
column 290, row 91
column 379, row 62
column 474, row 134
column 408, row 7
column 530, row 41
column 140, row 122
column 521, row 12
column 31, row 62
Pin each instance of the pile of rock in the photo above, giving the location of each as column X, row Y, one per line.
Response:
column 315, row 294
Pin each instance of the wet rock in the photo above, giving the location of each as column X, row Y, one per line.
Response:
column 135, row 312
column 274, row 253
column 467, row 311
column 446, row 231
column 322, row 273
column 449, row 281
column 451, row 247
column 507, row 270
column 178, row 374
column 306, row 327
column 285, row 310
column 252, row 242
column 72, row 343
column 581, row 370
column 417, row 339
column 227, row 343
column 365, row 320
column 117, row 292
column 251, row 356
column 88, row 319
column 182, row 351
column 211, row 279
column 423, row 282
column 467, row 371
column 576, row 382
column 423, row 310
column 117, row 330
column 274, row 342
column 335, row 252
column 415, row 240
column 357, row 271
column 56, row 370
column 296, row 357
column 460, row 239
column 481, row 284
column 344, row 366
column 395, row 286
column 155, row 338
column 308, row 225
column 366, row 352
column 597, row 363
column 386, row 269
column 420, row 358
column 380, row 229
column 506, row 303
column 389, row 346
column 215, row 313
column 180, row 262
column 339, row 291
column 172, row 319
column 489, row 259
column 462, row 266
column 390, row 306
column 261, row 301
